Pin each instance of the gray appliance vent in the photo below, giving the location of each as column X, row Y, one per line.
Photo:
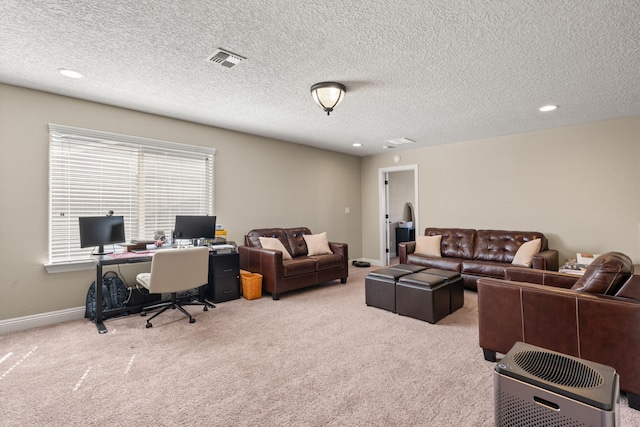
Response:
column 558, row 369
column 225, row 58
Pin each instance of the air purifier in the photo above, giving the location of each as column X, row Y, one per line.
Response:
column 534, row 386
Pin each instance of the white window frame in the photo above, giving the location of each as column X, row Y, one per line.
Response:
column 148, row 181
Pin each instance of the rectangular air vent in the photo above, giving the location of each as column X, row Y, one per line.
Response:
column 399, row 141
column 225, row 58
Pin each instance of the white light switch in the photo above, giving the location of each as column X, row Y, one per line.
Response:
column 347, row 210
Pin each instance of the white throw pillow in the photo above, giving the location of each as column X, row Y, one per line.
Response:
column 526, row 252
column 275, row 244
column 317, row 244
column 428, row 245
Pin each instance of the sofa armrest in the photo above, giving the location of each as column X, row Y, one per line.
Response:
column 343, row 250
column 267, row 262
column 540, row 277
column 405, row 249
column 546, row 260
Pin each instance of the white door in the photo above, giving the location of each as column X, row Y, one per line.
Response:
column 387, row 193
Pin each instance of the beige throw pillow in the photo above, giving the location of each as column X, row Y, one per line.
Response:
column 275, row 244
column 317, row 244
column 428, row 245
column 525, row 253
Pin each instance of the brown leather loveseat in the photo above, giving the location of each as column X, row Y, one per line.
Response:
column 595, row 316
column 302, row 269
column 478, row 253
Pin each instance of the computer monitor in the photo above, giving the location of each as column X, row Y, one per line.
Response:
column 101, row 230
column 195, row 227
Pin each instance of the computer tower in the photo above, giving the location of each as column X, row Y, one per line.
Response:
column 534, row 386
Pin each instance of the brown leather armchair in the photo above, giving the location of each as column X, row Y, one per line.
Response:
column 595, row 316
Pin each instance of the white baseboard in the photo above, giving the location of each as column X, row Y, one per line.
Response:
column 42, row 319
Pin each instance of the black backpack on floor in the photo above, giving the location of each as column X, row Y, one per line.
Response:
column 114, row 295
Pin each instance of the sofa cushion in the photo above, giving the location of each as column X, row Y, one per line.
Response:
column 484, row 268
column 501, row 245
column 317, row 244
column 429, row 245
column 456, row 242
column 275, row 244
column 327, row 262
column 297, row 244
column 524, row 254
column 452, row 264
column 299, row 265
column 606, row 274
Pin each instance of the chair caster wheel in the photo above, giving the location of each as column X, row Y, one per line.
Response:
column 192, row 320
column 148, row 325
column 143, row 313
column 205, row 308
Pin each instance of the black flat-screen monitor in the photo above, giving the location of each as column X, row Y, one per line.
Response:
column 195, row 227
column 100, row 231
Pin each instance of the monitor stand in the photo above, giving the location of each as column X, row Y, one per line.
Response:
column 101, row 251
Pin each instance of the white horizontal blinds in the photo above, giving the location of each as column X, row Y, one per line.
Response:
column 173, row 182
column 147, row 181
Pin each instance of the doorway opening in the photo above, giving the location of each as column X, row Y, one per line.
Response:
column 398, row 219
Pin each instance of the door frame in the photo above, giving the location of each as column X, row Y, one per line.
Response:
column 383, row 203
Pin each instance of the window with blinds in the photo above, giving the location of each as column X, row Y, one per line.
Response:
column 147, row 181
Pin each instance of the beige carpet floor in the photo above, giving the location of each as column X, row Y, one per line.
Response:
column 316, row 357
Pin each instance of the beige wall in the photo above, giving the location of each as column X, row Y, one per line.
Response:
column 578, row 185
column 259, row 182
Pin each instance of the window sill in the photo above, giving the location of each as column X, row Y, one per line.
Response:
column 66, row 267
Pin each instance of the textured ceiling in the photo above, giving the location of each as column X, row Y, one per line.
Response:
column 434, row 71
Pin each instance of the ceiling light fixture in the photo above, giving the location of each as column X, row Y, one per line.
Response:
column 547, row 108
column 70, row 73
column 328, row 95
column 357, row 144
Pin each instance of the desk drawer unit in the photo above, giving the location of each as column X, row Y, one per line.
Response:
column 224, row 277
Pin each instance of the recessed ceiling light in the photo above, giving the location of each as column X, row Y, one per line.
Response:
column 357, row 144
column 70, row 73
column 548, row 108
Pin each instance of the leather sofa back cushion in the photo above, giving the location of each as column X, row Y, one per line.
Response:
column 631, row 289
column 253, row 237
column 606, row 274
column 297, row 243
column 502, row 246
column 456, row 242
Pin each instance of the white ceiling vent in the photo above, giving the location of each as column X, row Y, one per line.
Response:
column 225, row 58
column 399, row 141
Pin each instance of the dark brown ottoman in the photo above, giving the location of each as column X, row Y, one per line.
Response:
column 409, row 268
column 455, row 284
column 423, row 296
column 380, row 288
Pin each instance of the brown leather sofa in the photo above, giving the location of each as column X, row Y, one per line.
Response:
column 595, row 316
column 479, row 253
column 280, row 276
